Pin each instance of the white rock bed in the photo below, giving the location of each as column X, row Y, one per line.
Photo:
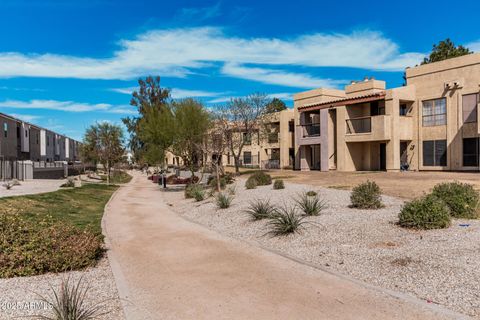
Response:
column 439, row 266
column 19, row 295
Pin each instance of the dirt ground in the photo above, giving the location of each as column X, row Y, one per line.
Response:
column 406, row 185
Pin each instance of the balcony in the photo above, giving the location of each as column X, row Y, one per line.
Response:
column 310, row 130
column 273, row 137
column 376, row 128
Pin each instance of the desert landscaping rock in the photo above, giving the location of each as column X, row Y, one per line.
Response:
column 438, row 266
column 17, row 293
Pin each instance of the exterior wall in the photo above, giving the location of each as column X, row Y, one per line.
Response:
column 49, row 146
column 35, row 152
column 302, row 151
column 9, row 143
column 449, row 79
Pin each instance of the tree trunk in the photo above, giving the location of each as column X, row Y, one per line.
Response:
column 108, row 173
column 237, row 165
column 217, row 173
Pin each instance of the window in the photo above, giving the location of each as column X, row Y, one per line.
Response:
column 403, row 109
column 5, row 129
column 435, row 153
column 469, row 107
column 434, row 112
column 247, row 157
column 26, row 133
column 470, row 152
column 247, row 138
column 37, row 138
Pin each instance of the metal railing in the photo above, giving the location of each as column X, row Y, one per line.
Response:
column 310, row 130
column 359, row 125
column 271, row 164
column 272, row 137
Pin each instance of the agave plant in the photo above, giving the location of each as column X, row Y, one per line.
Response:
column 260, row 209
column 68, row 303
column 224, row 200
column 310, row 205
column 285, row 221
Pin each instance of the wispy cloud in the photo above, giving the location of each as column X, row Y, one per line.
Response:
column 278, row 77
column 180, row 52
column 67, row 106
column 25, row 117
column 198, row 14
column 474, row 46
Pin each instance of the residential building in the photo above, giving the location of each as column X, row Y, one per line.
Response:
column 271, row 146
column 20, row 140
column 428, row 124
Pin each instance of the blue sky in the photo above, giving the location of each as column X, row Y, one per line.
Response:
column 65, row 64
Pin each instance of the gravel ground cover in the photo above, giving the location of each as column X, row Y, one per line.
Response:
column 438, row 266
column 31, row 187
column 19, row 295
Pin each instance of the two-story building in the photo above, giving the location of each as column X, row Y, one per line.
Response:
column 428, row 124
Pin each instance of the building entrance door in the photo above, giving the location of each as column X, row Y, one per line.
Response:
column 383, row 156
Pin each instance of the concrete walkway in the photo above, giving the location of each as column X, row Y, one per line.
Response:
column 168, row 268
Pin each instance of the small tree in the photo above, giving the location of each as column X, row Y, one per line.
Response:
column 244, row 117
column 275, row 105
column 445, row 49
column 191, row 123
column 103, row 143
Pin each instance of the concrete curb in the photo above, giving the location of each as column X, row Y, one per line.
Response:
column 122, row 287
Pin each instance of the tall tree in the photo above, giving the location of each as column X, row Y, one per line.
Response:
column 275, row 105
column 245, row 118
column 445, row 49
column 191, row 123
column 150, row 96
column 103, row 143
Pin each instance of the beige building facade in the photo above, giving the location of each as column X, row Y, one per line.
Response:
column 428, row 124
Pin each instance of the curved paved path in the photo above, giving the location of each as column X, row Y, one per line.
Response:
column 168, row 268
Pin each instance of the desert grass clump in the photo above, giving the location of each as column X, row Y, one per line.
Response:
column 461, row 198
column 310, row 205
column 251, row 183
column 278, row 184
column 260, row 209
column 262, row 178
column 427, row 212
column 68, row 302
column 285, row 221
column 311, row 193
column 366, row 195
column 191, row 190
column 199, row 194
column 70, row 183
column 224, row 200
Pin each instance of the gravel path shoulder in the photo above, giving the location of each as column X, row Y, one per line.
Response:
column 19, row 296
column 31, row 187
column 439, row 266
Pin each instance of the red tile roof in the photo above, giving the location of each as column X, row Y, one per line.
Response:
column 344, row 101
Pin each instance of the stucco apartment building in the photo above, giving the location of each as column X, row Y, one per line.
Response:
column 431, row 123
column 20, row 140
column 270, row 147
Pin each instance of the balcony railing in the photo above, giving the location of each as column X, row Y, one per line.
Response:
column 359, row 125
column 310, row 130
column 272, row 137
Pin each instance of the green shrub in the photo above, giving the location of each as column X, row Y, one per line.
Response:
column 366, row 195
column 191, row 189
column 461, row 198
column 251, row 183
column 427, row 212
column 225, row 179
column 311, row 193
column 310, row 205
column 285, row 221
column 31, row 247
column 262, row 178
column 223, row 200
column 199, row 194
column 278, row 184
column 260, row 209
